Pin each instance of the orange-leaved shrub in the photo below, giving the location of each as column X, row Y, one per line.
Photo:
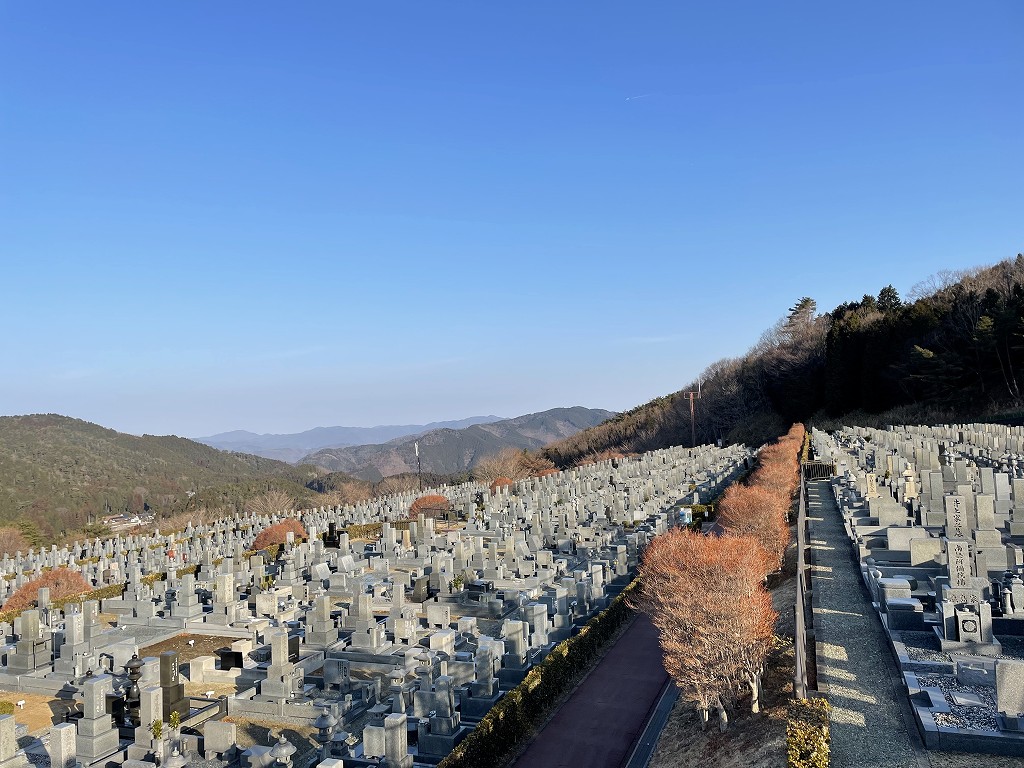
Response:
column 750, row 510
column 431, row 505
column 706, row 596
column 760, row 509
column 278, row 533
column 499, row 483
column 62, row 582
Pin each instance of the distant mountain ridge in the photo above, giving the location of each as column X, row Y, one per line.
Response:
column 293, row 446
column 449, row 451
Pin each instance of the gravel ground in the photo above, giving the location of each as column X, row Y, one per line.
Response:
column 980, row 718
column 924, row 646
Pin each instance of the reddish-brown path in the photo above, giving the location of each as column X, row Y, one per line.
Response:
column 599, row 724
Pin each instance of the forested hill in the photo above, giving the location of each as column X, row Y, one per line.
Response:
column 954, row 351
column 55, row 471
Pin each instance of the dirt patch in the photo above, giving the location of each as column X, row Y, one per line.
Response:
column 40, row 711
column 263, row 732
column 201, row 690
column 754, row 741
column 203, row 645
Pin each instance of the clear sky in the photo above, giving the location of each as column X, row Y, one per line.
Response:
column 272, row 216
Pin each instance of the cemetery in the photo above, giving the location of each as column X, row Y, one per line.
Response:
column 373, row 640
column 935, row 520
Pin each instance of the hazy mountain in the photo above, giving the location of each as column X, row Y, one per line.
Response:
column 292, row 447
column 447, row 451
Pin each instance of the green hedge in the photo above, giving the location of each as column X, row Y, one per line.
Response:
column 699, row 514
column 511, row 720
column 807, row 735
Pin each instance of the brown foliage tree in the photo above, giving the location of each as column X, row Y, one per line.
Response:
column 500, row 482
column 432, row 505
column 62, row 582
column 11, row 541
column 750, row 510
column 534, row 465
column 278, row 533
column 706, row 597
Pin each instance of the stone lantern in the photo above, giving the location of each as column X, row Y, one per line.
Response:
column 325, row 724
column 282, row 752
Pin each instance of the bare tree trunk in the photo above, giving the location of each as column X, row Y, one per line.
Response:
column 723, row 717
column 756, row 691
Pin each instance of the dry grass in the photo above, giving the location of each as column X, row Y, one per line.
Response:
column 40, row 711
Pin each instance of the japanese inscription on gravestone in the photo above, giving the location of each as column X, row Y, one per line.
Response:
column 956, row 517
column 959, row 565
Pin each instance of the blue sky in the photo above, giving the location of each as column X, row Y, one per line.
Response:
column 275, row 216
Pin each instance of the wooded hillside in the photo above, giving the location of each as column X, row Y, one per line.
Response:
column 56, row 471
column 955, row 350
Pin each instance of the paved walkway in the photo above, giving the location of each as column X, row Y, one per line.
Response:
column 601, row 721
column 855, row 667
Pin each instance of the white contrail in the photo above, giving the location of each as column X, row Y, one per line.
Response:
column 641, row 96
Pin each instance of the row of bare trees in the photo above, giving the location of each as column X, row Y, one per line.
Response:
column 511, row 464
column 706, row 593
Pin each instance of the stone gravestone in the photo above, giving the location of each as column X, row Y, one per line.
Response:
column 174, row 689
column 62, row 746
column 956, row 517
column 9, row 756
column 1010, row 694
column 97, row 736
column 959, row 562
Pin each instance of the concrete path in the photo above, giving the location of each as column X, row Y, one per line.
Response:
column 603, row 718
column 856, row 670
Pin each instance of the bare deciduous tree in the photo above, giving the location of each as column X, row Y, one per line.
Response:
column 11, row 541
column 269, row 503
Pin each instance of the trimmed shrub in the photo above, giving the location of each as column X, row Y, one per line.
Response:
column 755, row 511
column 104, row 593
column 807, row 734
column 63, row 583
column 6, row 707
column 364, row 531
column 432, row 505
column 278, row 533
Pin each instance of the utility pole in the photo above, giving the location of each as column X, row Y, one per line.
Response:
column 419, row 465
column 693, row 420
